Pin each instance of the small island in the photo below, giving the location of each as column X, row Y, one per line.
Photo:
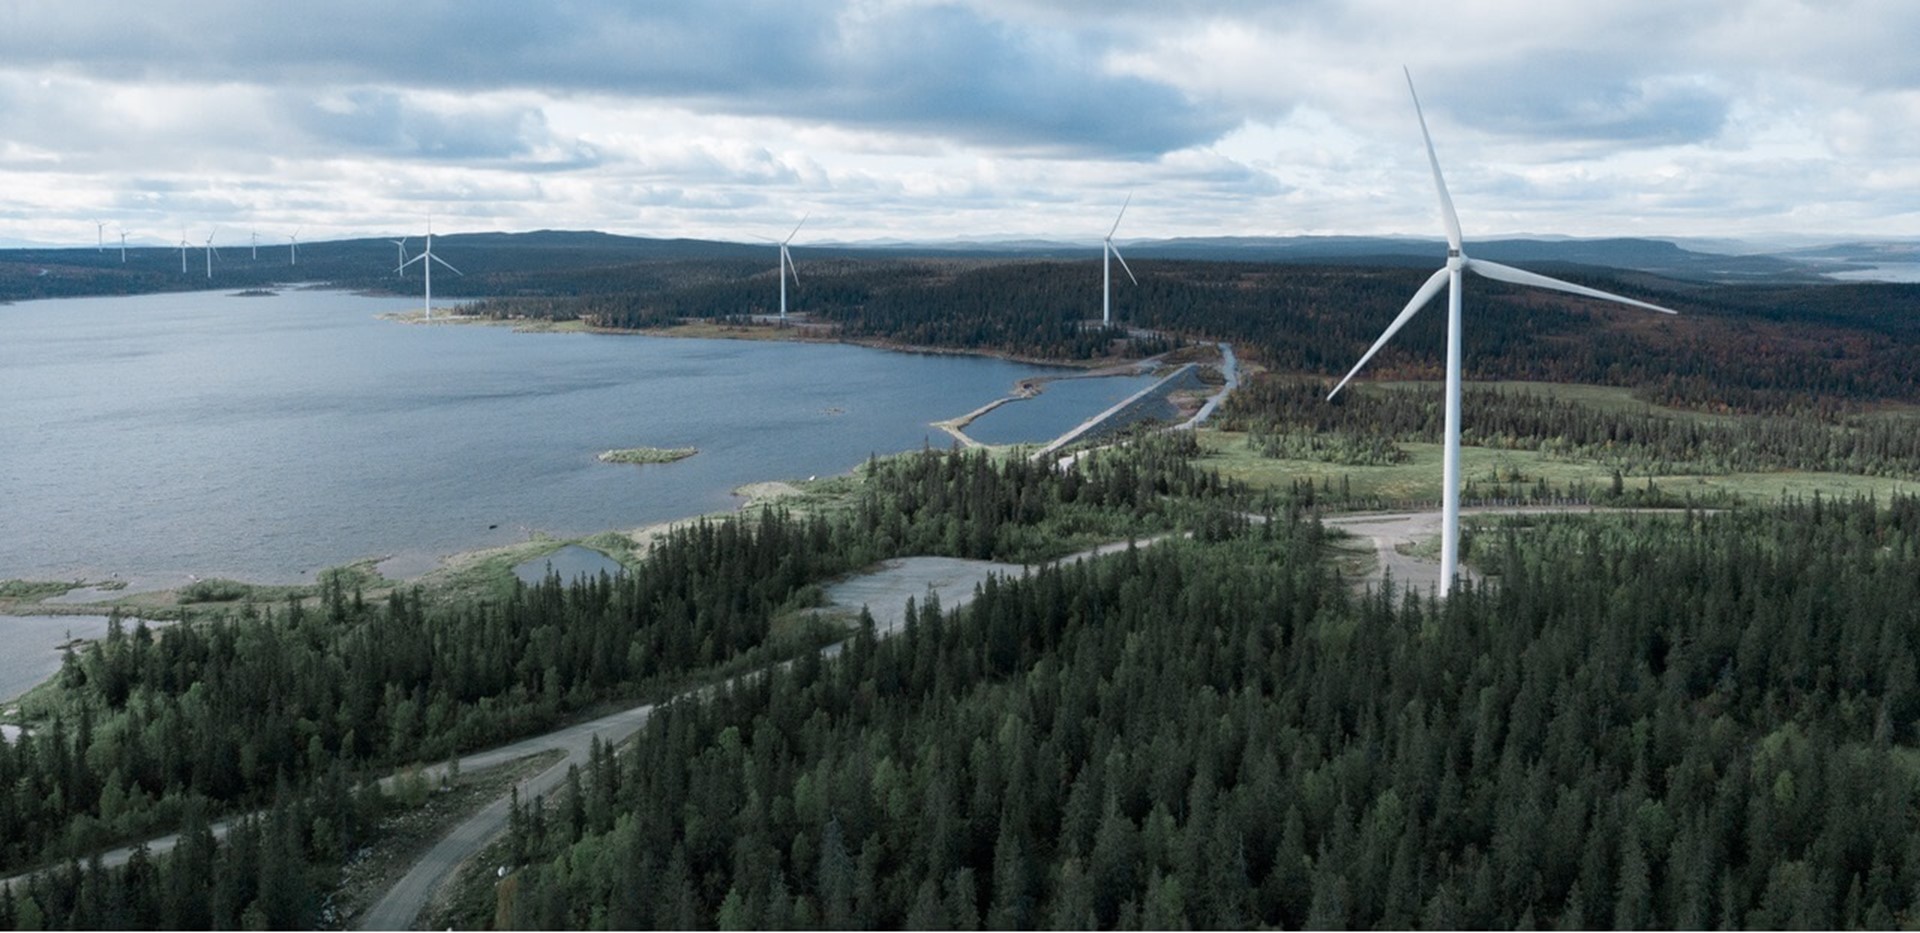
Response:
column 647, row 454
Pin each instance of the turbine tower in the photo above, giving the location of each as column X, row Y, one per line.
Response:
column 1107, row 256
column 1450, row 275
column 786, row 268
column 426, row 259
column 211, row 252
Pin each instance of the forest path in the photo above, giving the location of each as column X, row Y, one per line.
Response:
column 883, row 591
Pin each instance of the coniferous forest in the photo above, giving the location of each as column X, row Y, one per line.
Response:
column 1668, row 719
column 1685, row 720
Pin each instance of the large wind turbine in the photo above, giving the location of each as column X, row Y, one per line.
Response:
column 211, row 252
column 426, row 259
column 1449, row 275
column 402, row 244
column 1107, row 256
column 786, row 268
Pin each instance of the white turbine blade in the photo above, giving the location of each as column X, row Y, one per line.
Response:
column 796, row 228
column 1123, row 261
column 786, row 259
column 1420, row 298
column 1494, row 270
column 410, row 262
column 1123, row 213
column 443, row 262
column 1447, row 215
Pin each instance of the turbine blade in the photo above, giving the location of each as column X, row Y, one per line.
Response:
column 1123, row 213
column 786, row 259
column 796, row 228
column 443, row 262
column 1420, row 299
column 1494, row 270
column 417, row 257
column 1447, row 215
column 1123, row 261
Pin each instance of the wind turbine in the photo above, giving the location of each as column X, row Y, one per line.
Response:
column 293, row 246
column 183, row 252
column 402, row 244
column 786, row 268
column 426, row 259
column 1107, row 256
column 1450, row 275
column 211, row 252
column 256, row 244
column 123, row 246
column 100, row 236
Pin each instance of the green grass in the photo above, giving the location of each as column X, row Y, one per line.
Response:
column 1600, row 398
column 35, row 590
column 1419, row 476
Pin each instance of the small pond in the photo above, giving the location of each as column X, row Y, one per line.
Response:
column 1061, row 405
column 569, row 562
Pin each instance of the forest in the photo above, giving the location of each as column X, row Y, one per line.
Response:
column 1677, row 721
column 1778, row 349
column 1294, row 418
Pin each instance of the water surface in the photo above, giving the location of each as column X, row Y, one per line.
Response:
column 1060, row 407
column 158, row 436
column 33, row 648
column 570, row 562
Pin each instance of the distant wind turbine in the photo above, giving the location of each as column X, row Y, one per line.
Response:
column 183, row 251
column 123, row 246
column 1449, row 275
column 786, row 267
column 211, row 252
column 426, row 259
column 256, row 244
column 1107, row 256
column 100, row 236
column 402, row 244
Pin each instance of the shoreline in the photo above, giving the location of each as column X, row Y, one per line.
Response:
column 166, row 603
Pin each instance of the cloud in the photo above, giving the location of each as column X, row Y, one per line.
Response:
column 1562, row 94
column 942, row 69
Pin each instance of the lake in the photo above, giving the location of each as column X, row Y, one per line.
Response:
column 157, row 436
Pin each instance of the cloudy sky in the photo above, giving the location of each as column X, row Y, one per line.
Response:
column 938, row 119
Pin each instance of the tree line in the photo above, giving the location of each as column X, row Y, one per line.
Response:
column 1293, row 418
